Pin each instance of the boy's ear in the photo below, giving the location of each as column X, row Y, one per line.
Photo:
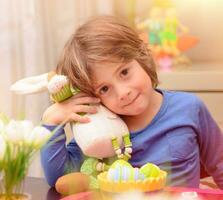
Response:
column 30, row 85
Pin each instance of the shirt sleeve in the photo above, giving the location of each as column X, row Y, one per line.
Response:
column 57, row 158
column 211, row 144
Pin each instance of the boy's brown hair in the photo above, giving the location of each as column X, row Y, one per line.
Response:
column 103, row 38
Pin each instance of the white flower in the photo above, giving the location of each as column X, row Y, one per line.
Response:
column 19, row 141
column 2, row 147
column 16, row 131
column 1, row 126
column 24, row 132
column 27, row 127
column 38, row 136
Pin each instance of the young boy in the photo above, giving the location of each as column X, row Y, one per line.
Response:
column 109, row 63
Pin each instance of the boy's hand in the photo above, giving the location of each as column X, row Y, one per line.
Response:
column 68, row 110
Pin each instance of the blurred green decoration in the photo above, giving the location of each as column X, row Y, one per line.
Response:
column 166, row 35
column 130, row 6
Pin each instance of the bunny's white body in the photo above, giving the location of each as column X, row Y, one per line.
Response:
column 94, row 138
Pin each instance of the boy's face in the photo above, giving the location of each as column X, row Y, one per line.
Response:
column 124, row 88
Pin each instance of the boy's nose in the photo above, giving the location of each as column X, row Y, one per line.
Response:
column 124, row 94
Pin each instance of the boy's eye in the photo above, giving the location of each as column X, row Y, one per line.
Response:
column 103, row 90
column 124, row 72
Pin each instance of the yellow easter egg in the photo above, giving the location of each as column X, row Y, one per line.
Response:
column 150, row 170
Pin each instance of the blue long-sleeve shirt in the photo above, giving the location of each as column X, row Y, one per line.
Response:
column 180, row 137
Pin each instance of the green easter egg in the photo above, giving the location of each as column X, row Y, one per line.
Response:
column 120, row 163
column 150, row 170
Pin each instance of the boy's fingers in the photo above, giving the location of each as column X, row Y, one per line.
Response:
column 73, row 102
column 85, row 109
column 78, row 118
column 86, row 100
column 80, row 94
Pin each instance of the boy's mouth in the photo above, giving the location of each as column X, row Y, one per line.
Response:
column 132, row 101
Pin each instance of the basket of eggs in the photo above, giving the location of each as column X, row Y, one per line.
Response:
column 122, row 177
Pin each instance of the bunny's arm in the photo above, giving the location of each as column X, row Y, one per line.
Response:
column 57, row 158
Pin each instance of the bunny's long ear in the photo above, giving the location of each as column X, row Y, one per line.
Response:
column 30, row 85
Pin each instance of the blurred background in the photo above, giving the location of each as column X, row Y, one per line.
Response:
column 33, row 33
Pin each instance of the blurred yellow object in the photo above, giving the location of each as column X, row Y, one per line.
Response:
column 147, row 185
column 163, row 3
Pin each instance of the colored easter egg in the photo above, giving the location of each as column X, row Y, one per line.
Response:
column 150, row 170
column 137, row 175
column 119, row 173
column 72, row 183
column 120, row 163
column 123, row 171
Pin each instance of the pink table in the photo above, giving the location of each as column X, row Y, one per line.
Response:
column 171, row 192
column 204, row 194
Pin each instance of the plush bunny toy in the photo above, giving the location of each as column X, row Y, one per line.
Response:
column 105, row 131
